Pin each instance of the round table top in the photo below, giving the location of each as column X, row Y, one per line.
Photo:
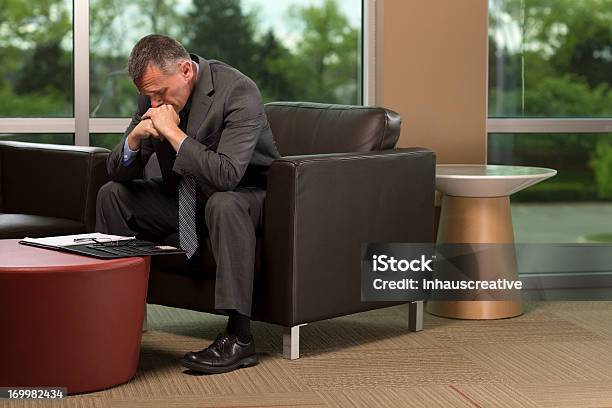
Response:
column 472, row 180
column 15, row 257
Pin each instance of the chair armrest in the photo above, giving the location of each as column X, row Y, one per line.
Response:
column 319, row 210
column 52, row 180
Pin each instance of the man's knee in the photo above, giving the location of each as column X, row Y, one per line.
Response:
column 109, row 191
column 113, row 209
column 223, row 204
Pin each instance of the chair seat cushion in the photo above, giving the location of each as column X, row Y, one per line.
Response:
column 35, row 226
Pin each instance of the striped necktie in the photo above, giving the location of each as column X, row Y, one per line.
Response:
column 187, row 215
column 187, row 202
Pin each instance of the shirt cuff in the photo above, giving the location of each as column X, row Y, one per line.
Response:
column 128, row 154
column 179, row 146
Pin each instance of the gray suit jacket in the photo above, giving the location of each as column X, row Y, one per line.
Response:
column 230, row 142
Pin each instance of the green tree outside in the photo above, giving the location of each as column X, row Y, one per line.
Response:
column 36, row 54
column 562, row 68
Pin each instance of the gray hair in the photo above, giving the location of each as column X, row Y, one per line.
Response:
column 162, row 51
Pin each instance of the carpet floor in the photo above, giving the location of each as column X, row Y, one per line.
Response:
column 558, row 354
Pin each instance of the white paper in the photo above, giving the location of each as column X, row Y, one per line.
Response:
column 67, row 240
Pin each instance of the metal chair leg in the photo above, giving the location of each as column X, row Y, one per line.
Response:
column 291, row 342
column 415, row 316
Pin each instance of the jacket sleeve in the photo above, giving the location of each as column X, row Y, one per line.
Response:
column 244, row 120
column 114, row 164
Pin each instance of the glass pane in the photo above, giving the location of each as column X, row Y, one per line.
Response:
column 307, row 50
column 53, row 138
column 550, row 58
column 573, row 206
column 107, row 140
column 36, row 58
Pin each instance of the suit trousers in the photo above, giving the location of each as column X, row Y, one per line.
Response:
column 230, row 220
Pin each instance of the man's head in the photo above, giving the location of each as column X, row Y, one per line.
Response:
column 162, row 70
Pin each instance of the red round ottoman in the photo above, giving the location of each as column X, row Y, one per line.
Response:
column 69, row 320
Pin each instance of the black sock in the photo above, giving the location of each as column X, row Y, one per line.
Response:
column 239, row 325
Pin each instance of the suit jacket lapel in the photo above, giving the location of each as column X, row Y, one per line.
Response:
column 202, row 98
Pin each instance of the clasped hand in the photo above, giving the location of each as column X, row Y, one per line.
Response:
column 161, row 121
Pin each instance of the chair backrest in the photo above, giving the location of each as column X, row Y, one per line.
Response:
column 311, row 128
column 301, row 128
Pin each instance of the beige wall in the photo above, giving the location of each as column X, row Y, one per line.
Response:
column 433, row 72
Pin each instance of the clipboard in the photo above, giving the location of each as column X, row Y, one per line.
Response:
column 116, row 247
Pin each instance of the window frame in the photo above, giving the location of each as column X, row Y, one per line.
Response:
column 545, row 125
column 81, row 124
column 538, row 125
column 550, row 281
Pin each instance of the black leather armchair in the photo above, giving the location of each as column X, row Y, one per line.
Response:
column 49, row 189
column 340, row 183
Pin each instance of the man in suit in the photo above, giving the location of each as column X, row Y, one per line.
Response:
column 206, row 123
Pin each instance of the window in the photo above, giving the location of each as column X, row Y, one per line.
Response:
column 106, row 140
column 550, row 104
column 308, row 50
column 570, row 207
column 36, row 59
column 53, row 138
column 550, row 60
column 298, row 50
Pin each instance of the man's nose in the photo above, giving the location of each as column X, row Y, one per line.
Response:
column 156, row 102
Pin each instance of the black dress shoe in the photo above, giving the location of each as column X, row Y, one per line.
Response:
column 225, row 354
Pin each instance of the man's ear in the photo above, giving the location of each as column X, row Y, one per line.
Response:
column 186, row 69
